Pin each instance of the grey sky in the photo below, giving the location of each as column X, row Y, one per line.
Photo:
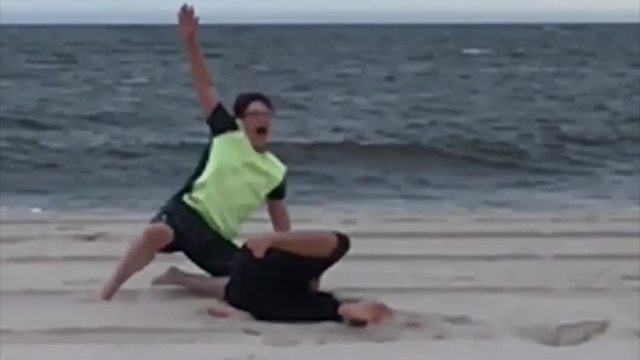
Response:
column 163, row 11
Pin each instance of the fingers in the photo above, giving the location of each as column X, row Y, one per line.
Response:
column 182, row 13
column 187, row 14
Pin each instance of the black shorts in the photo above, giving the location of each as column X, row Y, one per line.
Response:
column 204, row 246
column 277, row 286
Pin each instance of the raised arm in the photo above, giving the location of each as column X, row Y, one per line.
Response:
column 205, row 88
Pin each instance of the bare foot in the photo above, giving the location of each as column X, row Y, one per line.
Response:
column 221, row 309
column 169, row 277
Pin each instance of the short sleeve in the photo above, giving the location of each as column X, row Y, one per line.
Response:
column 279, row 192
column 220, row 121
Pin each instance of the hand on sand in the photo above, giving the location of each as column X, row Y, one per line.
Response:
column 188, row 22
column 258, row 246
column 365, row 313
column 108, row 291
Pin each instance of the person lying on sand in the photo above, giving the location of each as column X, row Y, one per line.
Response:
column 234, row 177
column 273, row 279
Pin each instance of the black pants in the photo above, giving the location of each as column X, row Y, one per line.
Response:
column 277, row 286
column 204, row 246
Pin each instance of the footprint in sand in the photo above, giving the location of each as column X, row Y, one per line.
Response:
column 566, row 334
column 280, row 340
column 459, row 320
column 91, row 236
column 69, row 227
column 83, row 282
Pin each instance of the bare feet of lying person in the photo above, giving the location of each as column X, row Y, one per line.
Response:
column 221, row 309
column 365, row 313
column 201, row 284
column 169, row 277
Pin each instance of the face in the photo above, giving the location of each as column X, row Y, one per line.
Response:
column 257, row 124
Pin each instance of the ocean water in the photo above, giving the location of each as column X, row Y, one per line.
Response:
column 537, row 117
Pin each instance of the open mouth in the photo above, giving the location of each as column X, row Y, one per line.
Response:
column 262, row 130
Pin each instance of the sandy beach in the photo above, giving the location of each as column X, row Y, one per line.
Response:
column 466, row 287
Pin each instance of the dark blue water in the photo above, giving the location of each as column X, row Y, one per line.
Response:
column 469, row 117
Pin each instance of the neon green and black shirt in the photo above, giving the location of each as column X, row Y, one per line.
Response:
column 232, row 180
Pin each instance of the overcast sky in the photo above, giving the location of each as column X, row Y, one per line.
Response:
column 211, row 11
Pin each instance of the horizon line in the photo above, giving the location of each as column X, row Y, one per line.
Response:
column 328, row 23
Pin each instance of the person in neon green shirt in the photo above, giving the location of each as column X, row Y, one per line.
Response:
column 234, row 177
column 274, row 276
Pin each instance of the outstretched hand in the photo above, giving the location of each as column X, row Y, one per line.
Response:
column 365, row 312
column 187, row 22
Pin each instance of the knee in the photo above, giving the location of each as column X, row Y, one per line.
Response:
column 157, row 236
column 343, row 244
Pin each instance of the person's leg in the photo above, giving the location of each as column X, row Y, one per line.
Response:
column 221, row 309
column 141, row 252
column 203, row 246
column 200, row 284
column 295, row 305
column 301, row 256
column 275, row 287
column 312, row 244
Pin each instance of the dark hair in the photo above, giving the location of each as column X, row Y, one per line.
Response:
column 245, row 99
